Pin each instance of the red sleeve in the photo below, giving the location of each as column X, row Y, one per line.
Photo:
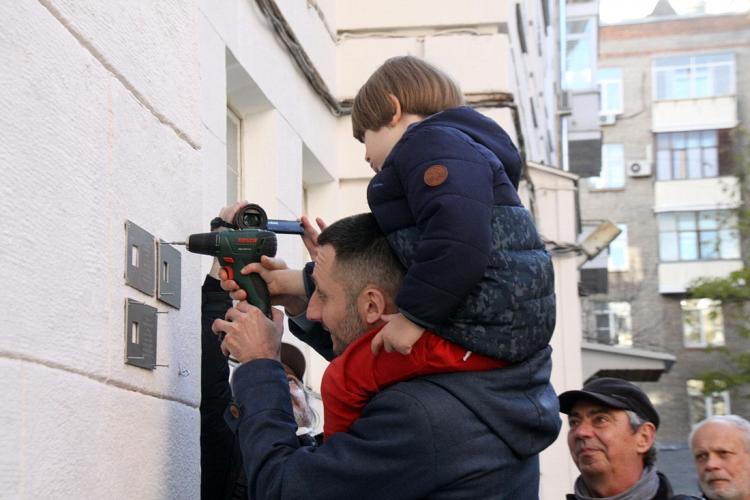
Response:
column 354, row 377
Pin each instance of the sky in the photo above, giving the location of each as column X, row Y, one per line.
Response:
column 611, row 11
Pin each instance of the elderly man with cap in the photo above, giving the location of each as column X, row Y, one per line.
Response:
column 612, row 432
column 721, row 450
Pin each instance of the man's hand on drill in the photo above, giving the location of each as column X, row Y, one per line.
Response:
column 249, row 334
column 285, row 286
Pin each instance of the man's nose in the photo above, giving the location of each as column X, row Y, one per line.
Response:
column 712, row 462
column 313, row 308
column 582, row 430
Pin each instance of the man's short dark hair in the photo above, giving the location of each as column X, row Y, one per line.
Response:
column 363, row 255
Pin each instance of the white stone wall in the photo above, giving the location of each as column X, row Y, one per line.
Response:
column 100, row 123
column 115, row 111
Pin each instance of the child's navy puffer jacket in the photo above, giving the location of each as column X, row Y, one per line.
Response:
column 477, row 271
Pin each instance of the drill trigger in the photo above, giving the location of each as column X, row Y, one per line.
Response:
column 229, row 271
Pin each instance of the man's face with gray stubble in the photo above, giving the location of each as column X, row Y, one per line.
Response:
column 722, row 461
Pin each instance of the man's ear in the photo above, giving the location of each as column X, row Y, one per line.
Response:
column 371, row 304
column 397, row 114
column 646, row 437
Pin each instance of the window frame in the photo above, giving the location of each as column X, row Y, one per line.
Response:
column 620, row 241
column 703, row 310
column 691, row 67
column 721, row 227
column 521, row 29
column 613, row 332
column 608, row 169
column 689, row 135
column 697, row 393
column 591, row 36
column 604, row 93
column 237, row 121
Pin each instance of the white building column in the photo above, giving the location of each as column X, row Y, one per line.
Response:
column 272, row 166
column 272, row 177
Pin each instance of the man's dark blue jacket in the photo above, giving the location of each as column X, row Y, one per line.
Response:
column 477, row 271
column 448, row 436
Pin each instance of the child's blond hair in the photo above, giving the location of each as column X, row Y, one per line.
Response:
column 421, row 89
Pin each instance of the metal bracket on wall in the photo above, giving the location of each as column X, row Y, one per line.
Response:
column 169, row 285
column 141, row 259
column 140, row 334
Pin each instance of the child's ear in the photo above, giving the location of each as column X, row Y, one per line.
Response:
column 397, row 111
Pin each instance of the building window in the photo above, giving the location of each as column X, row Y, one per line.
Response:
column 612, row 175
column 233, row 157
column 580, row 53
column 520, row 28
column 705, row 235
column 612, row 320
column 609, row 81
column 702, row 323
column 687, row 155
column 703, row 406
column 694, row 76
column 618, row 251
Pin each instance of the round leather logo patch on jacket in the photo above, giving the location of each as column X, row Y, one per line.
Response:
column 435, row 175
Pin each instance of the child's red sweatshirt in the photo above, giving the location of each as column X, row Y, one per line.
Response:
column 354, row 377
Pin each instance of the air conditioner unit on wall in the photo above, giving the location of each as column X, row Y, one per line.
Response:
column 639, row 168
column 607, row 119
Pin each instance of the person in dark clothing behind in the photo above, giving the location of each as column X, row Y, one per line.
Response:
column 221, row 462
column 612, row 432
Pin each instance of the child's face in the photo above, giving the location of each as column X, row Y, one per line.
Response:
column 379, row 143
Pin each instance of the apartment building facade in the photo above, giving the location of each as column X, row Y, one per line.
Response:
column 674, row 91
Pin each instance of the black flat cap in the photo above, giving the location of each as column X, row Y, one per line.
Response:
column 292, row 357
column 613, row 392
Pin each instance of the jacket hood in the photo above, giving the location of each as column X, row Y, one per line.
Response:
column 484, row 131
column 517, row 403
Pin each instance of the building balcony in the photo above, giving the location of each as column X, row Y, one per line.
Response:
column 706, row 113
column 378, row 16
column 638, row 365
column 697, row 194
column 676, row 277
column 437, row 31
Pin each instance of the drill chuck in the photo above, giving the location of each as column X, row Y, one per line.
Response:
column 204, row 244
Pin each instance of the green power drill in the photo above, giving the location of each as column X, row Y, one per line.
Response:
column 254, row 237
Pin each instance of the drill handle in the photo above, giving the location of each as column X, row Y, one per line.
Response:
column 254, row 286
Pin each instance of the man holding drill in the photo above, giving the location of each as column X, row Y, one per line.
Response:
column 469, row 434
column 221, row 461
